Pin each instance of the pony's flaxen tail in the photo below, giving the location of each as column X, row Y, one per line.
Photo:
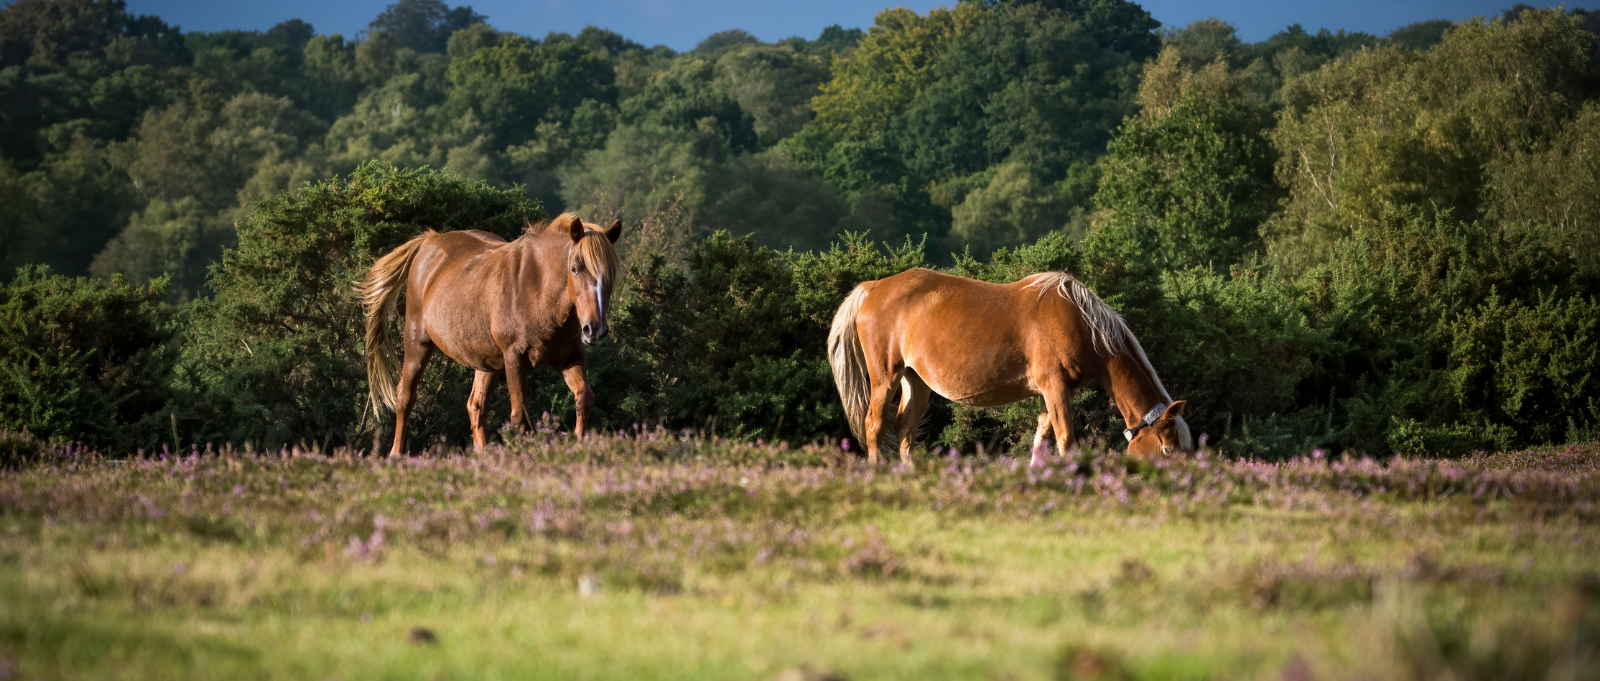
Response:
column 380, row 294
column 849, row 362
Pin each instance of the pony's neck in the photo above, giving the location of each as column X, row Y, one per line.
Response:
column 1133, row 387
column 545, row 258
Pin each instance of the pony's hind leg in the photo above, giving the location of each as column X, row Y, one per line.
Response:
column 913, row 402
column 1040, row 437
column 482, row 383
column 875, row 418
column 417, row 355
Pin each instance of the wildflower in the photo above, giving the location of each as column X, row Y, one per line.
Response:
column 588, row 585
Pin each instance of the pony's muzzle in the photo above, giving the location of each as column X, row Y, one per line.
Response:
column 594, row 333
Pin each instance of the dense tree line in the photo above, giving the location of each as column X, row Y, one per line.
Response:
column 1325, row 239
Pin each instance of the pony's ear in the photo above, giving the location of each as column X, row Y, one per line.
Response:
column 614, row 232
column 1174, row 410
column 574, row 227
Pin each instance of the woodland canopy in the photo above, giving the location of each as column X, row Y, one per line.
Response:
column 1324, row 239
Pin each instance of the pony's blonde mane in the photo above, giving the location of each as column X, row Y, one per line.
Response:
column 598, row 254
column 1110, row 333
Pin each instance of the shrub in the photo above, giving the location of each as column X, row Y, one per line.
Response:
column 20, row 449
column 1418, row 360
column 82, row 359
column 1239, row 348
column 734, row 342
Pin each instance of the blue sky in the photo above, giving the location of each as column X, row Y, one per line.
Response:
column 681, row 24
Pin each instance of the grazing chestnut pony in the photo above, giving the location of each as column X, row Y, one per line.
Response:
column 985, row 345
column 495, row 306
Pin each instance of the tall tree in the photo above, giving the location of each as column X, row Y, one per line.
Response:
column 514, row 85
column 1192, row 173
column 423, row 25
column 1393, row 126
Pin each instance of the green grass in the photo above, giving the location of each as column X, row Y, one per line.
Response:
column 727, row 560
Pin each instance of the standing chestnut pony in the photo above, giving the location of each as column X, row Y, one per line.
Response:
column 985, row 345
column 495, row 306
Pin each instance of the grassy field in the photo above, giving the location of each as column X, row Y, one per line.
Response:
column 658, row 556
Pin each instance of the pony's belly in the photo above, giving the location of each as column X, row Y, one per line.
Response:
column 980, row 395
column 467, row 343
column 995, row 398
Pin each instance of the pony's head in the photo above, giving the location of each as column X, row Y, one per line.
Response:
column 592, row 271
column 1166, row 435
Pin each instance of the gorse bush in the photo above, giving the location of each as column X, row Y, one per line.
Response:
column 735, row 342
column 1420, row 334
column 83, row 359
column 1433, row 321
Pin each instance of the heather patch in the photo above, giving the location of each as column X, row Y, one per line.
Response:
column 959, row 568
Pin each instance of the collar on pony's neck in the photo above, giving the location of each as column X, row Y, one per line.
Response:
column 1148, row 420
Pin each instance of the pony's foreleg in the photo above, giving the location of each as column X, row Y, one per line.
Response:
column 913, row 402
column 582, row 394
column 514, row 360
column 1040, row 437
column 482, row 383
column 416, row 360
column 1059, row 404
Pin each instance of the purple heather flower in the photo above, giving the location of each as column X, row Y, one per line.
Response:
column 844, row 444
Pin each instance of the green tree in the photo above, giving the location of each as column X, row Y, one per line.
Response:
column 423, row 25
column 1556, row 183
column 1421, row 35
column 774, row 84
column 769, row 197
column 177, row 240
column 390, row 123
column 512, row 86
column 1390, row 126
column 1028, row 85
column 87, row 65
column 685, row 96
column 83, row 199
column 467, row 41
column 882, row 76
column 721, row 41
column 1425, row 311
column 1014, row 208
column 835, row 40
column 21, row 226
column 651, row 175
column 331, row 80
column 1192, row 173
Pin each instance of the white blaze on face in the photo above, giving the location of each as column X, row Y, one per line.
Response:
column 599, row 301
